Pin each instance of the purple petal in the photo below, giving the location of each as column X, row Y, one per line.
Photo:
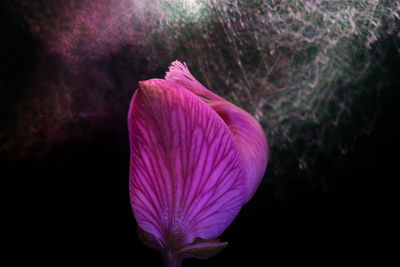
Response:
column 251, row 140
column 186, row 177
column 248, row 133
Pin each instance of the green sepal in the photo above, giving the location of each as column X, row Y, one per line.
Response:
column 202, row 250
column 148, row 239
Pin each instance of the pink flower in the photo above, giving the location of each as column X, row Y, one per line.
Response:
column 196, row 159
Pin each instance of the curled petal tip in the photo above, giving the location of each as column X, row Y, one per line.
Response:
column 180, row 74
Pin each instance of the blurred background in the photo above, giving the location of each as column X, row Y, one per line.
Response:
column 322, row 77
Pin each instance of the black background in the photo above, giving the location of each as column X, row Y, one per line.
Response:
column 71, row 204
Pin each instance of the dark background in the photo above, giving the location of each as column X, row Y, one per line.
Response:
column 70, row 204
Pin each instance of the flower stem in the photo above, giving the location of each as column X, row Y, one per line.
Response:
column 171, row 259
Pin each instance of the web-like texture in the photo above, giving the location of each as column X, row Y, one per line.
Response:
column 306, row 69
column 303, row 68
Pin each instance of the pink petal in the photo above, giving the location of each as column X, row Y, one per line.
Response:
column 248, row 133
column 186, row 177
column 251, row 140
